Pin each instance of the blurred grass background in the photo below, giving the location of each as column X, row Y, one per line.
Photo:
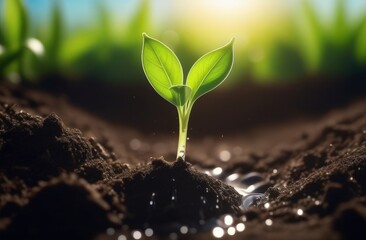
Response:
column 100, row 40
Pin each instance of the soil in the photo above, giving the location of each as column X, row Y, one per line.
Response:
column 68, row 174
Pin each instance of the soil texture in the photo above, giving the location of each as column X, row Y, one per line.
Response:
column 66, row 174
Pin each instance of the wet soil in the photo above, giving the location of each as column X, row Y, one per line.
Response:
column 67, row 174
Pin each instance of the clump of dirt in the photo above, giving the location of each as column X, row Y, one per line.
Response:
column 47, row 172
column 63, row 207
column 166, row 193
column 35, row 148
column 39, row 191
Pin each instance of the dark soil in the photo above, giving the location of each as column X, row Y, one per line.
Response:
column 57, row 182
column 175, row 193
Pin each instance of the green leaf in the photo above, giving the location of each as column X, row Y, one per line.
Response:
column 162, row 67
column 210, row 70
column 54, row 39
column 16, row 28
column 181, row 94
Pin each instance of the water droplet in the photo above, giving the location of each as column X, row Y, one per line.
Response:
column 152, row 199
column 149, row 232
column 249, row 200
column 268, row 222
column 225, row 155
column 174, row 196
column 187, row 138
column 250, row 189
column 228, row 220
column 275, row 171
column 203, row 199
column 232, row 177
column 317, row 202
column 231, row 231
column 206, row 190
column 183, row 229
column 208, row 173
column 110, row 231
column 218, row 232
column 122, row 237
column 136, row 234
column 217, row 171
column 240, row 227
column 266, row 205
column 251, row 178
column 330, row 145
column 300, row 212
column 351, row 178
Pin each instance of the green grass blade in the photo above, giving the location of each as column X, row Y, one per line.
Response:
column 54, row 40
column 139, row 23
column 16, row 27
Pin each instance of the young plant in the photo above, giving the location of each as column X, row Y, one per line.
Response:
column 164, row 72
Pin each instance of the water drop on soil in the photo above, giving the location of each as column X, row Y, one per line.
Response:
column 149, row 232
column 218, row 232
column 231, row 231
column 268, row 222
column 300, row 212
column 240, row 227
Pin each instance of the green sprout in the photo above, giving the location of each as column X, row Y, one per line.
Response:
column 165, row 74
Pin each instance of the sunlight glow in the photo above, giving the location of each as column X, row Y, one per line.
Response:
column 246, row 20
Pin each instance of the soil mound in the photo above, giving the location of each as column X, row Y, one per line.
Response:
column 167, row 193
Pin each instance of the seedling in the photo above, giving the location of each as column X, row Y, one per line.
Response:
column 165, row 74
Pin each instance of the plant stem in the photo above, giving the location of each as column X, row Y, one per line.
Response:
column 183, row 114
